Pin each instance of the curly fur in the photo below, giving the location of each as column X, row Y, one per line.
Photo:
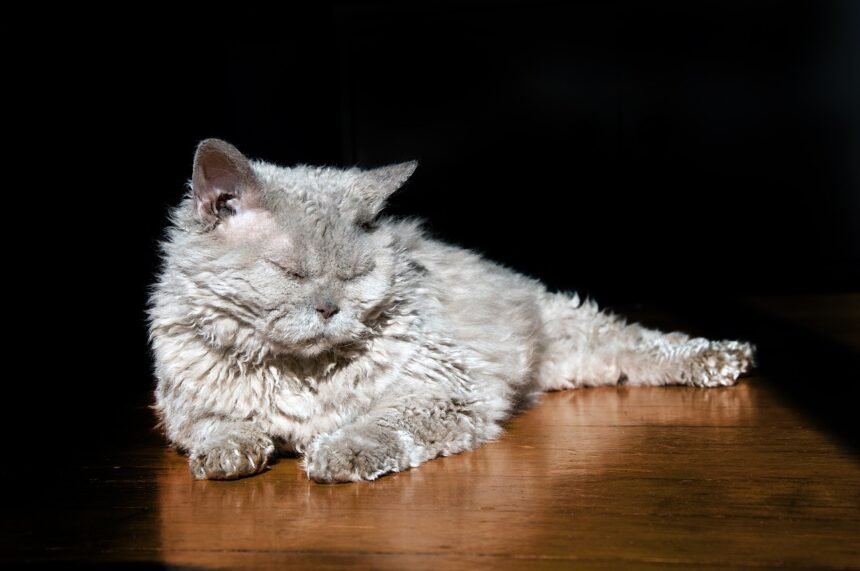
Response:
column 290, row 317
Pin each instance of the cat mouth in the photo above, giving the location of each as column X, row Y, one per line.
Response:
column 308, row 347
column 316, row 339
column 323, row 341
column 285, row 339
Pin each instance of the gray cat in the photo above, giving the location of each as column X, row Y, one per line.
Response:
column 290, row 317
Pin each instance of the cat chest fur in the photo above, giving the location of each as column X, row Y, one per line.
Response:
column 289, row 399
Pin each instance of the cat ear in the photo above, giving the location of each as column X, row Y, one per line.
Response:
column 222, row 181
column 375, row 186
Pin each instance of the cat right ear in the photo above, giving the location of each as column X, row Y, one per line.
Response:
column 223, row 182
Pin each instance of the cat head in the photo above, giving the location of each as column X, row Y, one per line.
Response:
column 291, row 256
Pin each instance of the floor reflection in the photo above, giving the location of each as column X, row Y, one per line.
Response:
column 537, row 490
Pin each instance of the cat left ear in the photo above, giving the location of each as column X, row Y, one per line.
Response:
column 375, row 186
column 223, row 180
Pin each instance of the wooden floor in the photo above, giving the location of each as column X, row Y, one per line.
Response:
column 613, row 478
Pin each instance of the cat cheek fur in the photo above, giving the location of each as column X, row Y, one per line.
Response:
column 429, row 353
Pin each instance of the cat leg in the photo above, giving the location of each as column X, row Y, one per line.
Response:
column 223, row 449
column 673, row 358
column 587, row 347
column 397, row 435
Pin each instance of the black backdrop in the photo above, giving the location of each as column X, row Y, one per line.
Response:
column 631, row 151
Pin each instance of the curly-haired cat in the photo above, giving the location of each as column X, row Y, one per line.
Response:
column 290, row 316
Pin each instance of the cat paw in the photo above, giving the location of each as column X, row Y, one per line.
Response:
column 353, row 457
column 231, row 458
column 722, row 363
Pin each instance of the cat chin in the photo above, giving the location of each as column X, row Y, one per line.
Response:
column 318, row 352
column 311, row 351
column 315, row 346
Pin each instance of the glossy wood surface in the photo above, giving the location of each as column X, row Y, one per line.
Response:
column 609, row 478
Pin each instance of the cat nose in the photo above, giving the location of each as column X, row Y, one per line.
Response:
column 326, row 309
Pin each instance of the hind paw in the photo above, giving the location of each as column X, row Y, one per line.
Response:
column 721, row 364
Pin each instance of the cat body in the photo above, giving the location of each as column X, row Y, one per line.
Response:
column 290, row 316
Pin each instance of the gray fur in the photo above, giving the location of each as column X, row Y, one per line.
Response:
column 289, row 317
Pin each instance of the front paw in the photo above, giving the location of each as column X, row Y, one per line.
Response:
column 231, row 457
column 352, row 457
column 720, row 364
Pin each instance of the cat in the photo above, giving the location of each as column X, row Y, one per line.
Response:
column 291, row 316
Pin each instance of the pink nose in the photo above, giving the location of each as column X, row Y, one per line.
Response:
column 327, row 309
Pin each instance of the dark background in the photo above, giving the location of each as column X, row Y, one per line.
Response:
column 666, row 153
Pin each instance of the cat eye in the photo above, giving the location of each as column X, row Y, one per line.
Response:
column 221, row 206
column 292, row 272
column 357, row 274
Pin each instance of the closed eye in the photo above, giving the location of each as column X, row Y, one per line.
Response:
column 357, row 273
column 288, row 270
